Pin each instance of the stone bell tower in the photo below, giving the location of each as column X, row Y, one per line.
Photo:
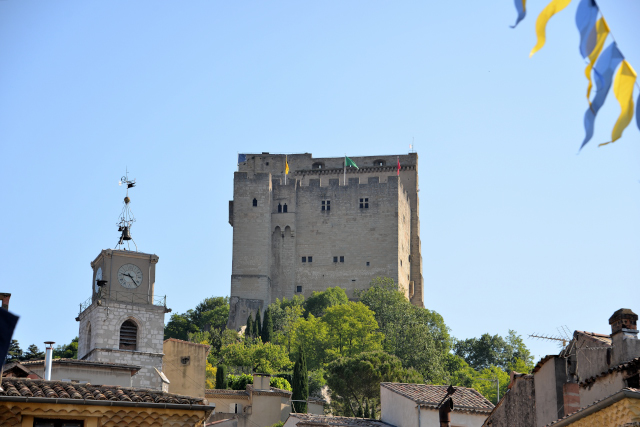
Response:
column 123, row 321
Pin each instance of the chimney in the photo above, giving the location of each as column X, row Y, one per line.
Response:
column 261, row 381
column 48, row 358
column 570, row 397
column 624, row 320
column 624, row 336
column 4, row 300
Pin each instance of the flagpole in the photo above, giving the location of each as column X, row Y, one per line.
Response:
column 344, row 180
column 285, row 169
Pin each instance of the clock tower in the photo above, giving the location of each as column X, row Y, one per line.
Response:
column 123, row 321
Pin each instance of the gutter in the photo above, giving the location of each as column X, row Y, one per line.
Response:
column 182, row 406
column 596, row 407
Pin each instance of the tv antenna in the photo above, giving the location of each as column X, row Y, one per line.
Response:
column 126, row 216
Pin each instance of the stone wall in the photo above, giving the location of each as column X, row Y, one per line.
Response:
column 349, row 245
column 104, row 319
column 518, row 407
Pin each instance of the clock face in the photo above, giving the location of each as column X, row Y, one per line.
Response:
column 96, row 288
column 130, row 276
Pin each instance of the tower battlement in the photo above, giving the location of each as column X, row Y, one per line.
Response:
column 324, row 227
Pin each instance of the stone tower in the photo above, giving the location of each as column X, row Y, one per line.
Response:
column 322, row 228
column 124, row 321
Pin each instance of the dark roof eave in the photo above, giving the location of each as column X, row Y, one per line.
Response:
column 62, row 401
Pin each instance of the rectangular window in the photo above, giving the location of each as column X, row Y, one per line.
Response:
column 342, row 259
column 304, row 259
column 367, row 263
column 335, row 259
column 40, row 422
column 298, row 289
column 323, row 205
column 310, row 259
column 364, row 203
column 328, row 205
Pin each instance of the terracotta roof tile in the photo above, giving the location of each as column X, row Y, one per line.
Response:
column 311, row 419
column 464, row 399
column 21, row 387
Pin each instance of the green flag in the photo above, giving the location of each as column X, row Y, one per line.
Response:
column 349, row 162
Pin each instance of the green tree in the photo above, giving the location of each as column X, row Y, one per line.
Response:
column 300, row 384
column 179, row 327
column 255, row 332
column 485, row 382
column 258, row 325
column 68, row 351
column 221, row 377
column 352, row 329
column 311, row 335
column 419, row 337
column 239, row 382
column 320, row 301
column 15, row 352
column 33, row 353
column 353, row 380
column 281, row 317
column 266, row 358
column 248, row 332
column 267, row 327
column 494, row 350
column 280, row 383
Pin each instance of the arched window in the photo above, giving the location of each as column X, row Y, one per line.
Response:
column 317, row 165
column 255, row 202
column 284, row 208
column 128, row 335
column 379, row 162
column 279, row 208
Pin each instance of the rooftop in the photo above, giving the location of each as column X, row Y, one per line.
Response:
column 65, row 392
column 327, row 420
column 464, row 399
column 80, row 362
column 585, row 411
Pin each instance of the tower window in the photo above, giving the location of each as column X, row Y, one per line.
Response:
column 284, row 208
column 335, row 259
column 317, row 165
column 342, row 259
column 326, row 205
column 364, row 203
column 298, row 289
column 310, row 259
column 279, row 208
column 367, row 263
column 255, row 202
column 128, row 335
column 304, row 259
column 379, row 162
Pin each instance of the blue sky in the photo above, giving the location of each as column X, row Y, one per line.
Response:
column 518, row 231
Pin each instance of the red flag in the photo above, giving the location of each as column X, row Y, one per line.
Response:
column 398, row 166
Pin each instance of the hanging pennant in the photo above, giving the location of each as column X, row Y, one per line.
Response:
column 521, row 7
column 586, row 16
column 607, row 63
column 541, row 23
column 602, row 31
column 623, row 89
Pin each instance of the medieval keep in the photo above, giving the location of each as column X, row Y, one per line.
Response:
column 123, row 321
column 322, row 225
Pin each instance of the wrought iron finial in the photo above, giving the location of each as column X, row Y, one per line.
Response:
column 126, row 219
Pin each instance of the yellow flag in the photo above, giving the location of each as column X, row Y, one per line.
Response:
column 602, row 31
column 286, row 166
column 541, row 23
column 623, row 89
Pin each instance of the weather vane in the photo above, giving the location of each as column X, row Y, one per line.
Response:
column 126, row 216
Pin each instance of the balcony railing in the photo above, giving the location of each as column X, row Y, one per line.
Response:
column 160, row 301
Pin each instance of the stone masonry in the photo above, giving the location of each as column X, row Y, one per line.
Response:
column 99, row 338
column 317, row 231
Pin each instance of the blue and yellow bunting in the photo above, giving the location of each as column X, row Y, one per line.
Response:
column 623, row 90
column 586, row 16
column 541, row 23
column 601, row 31
column 607, row 63
column 521, row 7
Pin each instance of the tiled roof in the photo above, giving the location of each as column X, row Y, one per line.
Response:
column 311, row 419
column 633, row 363
column 586, row 410
column 212, row 392
column 542, row 362
column 17, row 369
column 603, row 339
column 271, row 392
column 67, row 361
column 187, row 342
column 26, row 388
column 464, row 399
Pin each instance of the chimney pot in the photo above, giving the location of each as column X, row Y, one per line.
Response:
column 623, row 319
